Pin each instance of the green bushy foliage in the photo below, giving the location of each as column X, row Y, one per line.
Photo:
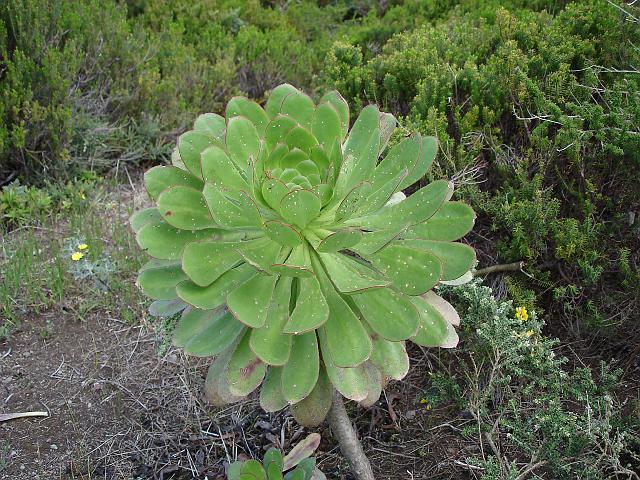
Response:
column 94, row 85
column 22, row 204
column 564, row 422
column 537, row 100
column 58, row 68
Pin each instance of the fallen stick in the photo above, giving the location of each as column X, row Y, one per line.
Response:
column 12, row 416
column 505, row 267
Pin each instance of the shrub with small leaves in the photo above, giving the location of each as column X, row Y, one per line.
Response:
column 295, row 255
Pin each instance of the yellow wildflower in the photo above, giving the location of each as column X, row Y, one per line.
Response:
column 522, row 314
column 77, row 256
column 83, row 246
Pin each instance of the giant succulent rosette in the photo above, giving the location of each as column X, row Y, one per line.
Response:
column 292, row 253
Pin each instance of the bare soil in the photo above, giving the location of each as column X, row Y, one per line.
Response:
column 119, row 410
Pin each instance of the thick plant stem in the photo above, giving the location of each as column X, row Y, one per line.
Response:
column 348, row 440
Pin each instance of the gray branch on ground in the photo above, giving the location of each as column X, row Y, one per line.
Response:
column 505, row 267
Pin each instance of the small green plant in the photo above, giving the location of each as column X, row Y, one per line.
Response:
column 298, row 464
column 23, row 205
column 20, row 204
column 294, row 253
column 83, row 265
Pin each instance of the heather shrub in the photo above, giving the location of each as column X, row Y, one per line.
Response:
column 534, row 112
column 542, row 414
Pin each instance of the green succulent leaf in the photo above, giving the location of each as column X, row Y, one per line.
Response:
column 243, row 107
column 273, row 191
column 350, row 382
column 159, row 178
column 311, row 310
column 352, row 201
column 381, row 194
column 296, row 474
column 401, row 157
column 144, row 217
column 246, row 370
column 218, row 169
column 419, row 207
column 205, row 333
column 387, row 126
column 390, row 357
column 185, row 208
column 299, row 106
column 216, row 386
column 233, row 473
column 374, row 385
column 278, row 94
column 252, row 470
column 339, row 240
column 300, row 207
column 346, row 340
column 452, row 222
column 158, row 279
column 327, row 124
column 389, row 313
column 166, row 308
column 360, row 150
column 432, row 330
column 298, row 264
column 215, row 294
column 204, row 262
column 161, row 240
column 300, row 373
column 212, row 124
column 312, row 410
column 411, row 271
column 260, row 253
column 231, row 211
column 300, row 138
column 271, row 396
column 268, row 342
column 372, row 242
column 273, row 458
column 427, row 155
column 260, row 288
column 283, row 233
column 349, row 275
column 342, row 108
column 242, row 141
column 456, row 258
column 191, row 145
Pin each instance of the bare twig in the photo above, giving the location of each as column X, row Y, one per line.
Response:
column 348, row 440
column 12, row 416
column 505, row 267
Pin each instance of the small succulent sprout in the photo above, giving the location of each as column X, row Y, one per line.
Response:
column 298, row 263
column 297, row 465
